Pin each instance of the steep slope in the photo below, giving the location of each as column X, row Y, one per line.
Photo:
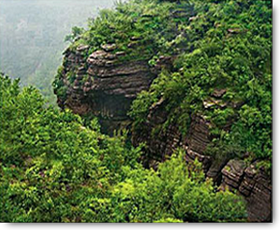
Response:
column 103, row 85
column 111, row 62
column 201, row 75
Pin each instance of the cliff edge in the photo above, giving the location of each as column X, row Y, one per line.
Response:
column 194, row 75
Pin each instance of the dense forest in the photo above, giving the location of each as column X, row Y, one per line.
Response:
column 54, row 169
column 165, row 116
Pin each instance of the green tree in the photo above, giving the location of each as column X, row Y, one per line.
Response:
column 54, row 169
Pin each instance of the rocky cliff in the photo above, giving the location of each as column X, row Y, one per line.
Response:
column 107, row 92
column 241, row 176
column 252, row 183
column 203, row 91
column 103, row 86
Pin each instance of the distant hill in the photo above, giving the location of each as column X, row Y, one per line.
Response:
column 32, row 36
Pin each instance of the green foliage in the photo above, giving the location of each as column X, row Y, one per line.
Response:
column 147, row 21
column 57, row 167
column 140, row 107
column 227, row 45
column 179, row 192
column 54, row 169
column 76, row 32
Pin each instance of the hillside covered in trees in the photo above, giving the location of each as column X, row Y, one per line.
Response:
column 55, row 169
column 166, row 116
column 32, row 36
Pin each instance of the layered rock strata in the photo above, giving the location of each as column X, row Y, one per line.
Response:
column 103, row 85
column 252, row 183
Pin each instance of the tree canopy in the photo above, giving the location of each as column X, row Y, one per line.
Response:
column 55, row 169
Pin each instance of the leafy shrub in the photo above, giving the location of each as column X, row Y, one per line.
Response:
column 53, row 169
column 228, row 46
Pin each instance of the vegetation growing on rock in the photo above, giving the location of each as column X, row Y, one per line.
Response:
column 224, row 74
column 54, row 169
column 190, row 79
column 207, row 89
column 216, row 46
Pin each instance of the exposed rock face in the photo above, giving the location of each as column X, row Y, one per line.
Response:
column 161, row 143
column 103, row 85
column 198, row 136
column 234, row 174
column 253, row 184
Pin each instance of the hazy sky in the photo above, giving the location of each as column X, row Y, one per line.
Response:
column 32, row 35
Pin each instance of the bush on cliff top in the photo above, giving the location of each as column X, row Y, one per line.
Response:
column 53, row 169
column 226, row 45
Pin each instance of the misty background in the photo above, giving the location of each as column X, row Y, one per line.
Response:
column 32, row 34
